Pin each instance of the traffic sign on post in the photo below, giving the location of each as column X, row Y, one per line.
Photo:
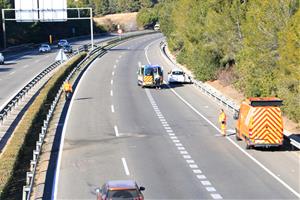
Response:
column 61, row 56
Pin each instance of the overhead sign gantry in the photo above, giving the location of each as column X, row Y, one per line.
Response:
column 43, row 11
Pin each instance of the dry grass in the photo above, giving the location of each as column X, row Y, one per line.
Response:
column 15, row 160
column 127, row 21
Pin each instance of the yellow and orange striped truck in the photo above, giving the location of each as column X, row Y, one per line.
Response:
column 259, row 122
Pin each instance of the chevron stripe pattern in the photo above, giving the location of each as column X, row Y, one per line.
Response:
column 148, row 80
column 267, row 127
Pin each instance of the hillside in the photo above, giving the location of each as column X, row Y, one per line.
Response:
column 127, row 21
column 256, row 41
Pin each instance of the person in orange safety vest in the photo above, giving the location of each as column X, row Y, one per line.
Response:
column 67, row 89
column 222, row 120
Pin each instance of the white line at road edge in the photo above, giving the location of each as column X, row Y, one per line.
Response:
column 125, row 167
column 62, row 139
column 228, row 138
column 57, row 170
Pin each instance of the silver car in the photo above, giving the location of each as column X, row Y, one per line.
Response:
column 44, row 48
column 1, row 59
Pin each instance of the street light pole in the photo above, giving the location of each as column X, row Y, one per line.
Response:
column 3, row 28
column 92, row 31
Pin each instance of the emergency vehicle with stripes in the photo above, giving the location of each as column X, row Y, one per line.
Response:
column 259, row 122
column 146, row 74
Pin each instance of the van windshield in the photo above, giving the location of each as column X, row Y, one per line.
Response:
column 148, row 71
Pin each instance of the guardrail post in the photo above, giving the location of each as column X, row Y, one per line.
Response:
column 26, row 190
column 32, row 164
column 35, row 154
column 29, row 176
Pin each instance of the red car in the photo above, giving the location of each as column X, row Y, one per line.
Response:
column 121, row 189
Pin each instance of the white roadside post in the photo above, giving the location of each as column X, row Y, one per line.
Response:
column 92, row 31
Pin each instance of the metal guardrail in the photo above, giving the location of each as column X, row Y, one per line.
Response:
column 218, row 96
column 98, row 51
column 19, row 96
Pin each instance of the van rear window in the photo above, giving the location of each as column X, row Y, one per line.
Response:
column 266, row 103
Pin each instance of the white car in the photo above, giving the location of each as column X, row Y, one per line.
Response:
column 44, row 48
column 178, row 76
column 1, row 59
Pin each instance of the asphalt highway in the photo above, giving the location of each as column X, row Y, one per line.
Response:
column 167, row 140
column 22, row 67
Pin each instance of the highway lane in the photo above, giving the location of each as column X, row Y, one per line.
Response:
column 168, row 147
column 21, row 68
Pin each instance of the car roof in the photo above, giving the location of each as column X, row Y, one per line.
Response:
column 121, row 184
column 177, row 70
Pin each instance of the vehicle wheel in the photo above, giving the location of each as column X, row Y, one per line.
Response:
column 237, row 137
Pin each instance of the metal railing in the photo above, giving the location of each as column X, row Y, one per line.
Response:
column 218, row 96
column 95, row 53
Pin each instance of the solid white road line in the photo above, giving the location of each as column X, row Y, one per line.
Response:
column 228, row 138
column 116, row 131
column 240, row 148
column 125, row 167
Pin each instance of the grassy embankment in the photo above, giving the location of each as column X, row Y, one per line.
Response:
column 15, row 160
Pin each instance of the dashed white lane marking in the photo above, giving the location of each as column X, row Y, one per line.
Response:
column 228, row 138
column 37, row 61
column 197, row 171
column 216, row 196
column 11, row 73
column 120, row 56
column 125, row 167
column 210, row 189
column 25, row 66
column 111, row 93
column 113, row 73
column 205, row 183
column 115, row 66
column 240, row 148
column 111, row 82
column 112, row 108
column 117, row 61
column 193, row 166
column 188, row 159
column 116, row 131
column 201, row 177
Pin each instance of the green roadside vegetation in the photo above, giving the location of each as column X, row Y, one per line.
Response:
column 253, row 45
column 15, row 160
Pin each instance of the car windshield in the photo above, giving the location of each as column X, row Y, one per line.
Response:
column 122, row 194
column 177, row 73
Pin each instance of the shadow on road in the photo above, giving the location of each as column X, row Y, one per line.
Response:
column 5, row 69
